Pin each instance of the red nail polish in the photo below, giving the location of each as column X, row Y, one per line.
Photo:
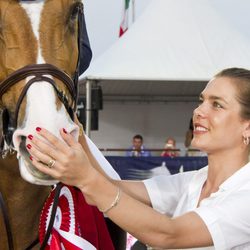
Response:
column 28, row 146
column 30, row 137
column 38, row 129
column 64, row 130
column 31, row 158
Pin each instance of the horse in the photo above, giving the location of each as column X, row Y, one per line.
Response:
column 39, row 47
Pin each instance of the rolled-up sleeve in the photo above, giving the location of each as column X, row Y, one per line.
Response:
column 165, row 190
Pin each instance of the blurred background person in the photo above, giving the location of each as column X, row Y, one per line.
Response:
column 170, row 148
column 138, row 149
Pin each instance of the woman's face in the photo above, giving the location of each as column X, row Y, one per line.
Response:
column 217, row 122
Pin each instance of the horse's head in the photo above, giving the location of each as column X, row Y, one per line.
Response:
column 33, row 33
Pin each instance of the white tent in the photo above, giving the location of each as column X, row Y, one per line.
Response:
column 180, row 40
column 173, row 48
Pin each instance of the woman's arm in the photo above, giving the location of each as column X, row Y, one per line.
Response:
column 74, row 167
column 135, row 189
column 146, row 224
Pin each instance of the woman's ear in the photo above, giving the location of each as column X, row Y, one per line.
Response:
column 246, row 132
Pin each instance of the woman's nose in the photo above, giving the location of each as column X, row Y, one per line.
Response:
column 199, row 111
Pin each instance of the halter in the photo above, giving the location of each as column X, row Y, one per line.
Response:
column 39, row 72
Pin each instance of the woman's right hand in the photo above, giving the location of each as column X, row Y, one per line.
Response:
column 72, row 165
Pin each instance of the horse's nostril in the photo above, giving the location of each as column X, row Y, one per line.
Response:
column 22, row 147
column 28, row 171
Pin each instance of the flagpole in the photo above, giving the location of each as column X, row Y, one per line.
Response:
column 133, row 11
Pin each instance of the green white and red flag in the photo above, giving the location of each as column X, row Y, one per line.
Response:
column 124, row 23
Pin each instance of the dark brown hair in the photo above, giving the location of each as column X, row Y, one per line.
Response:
column 241, row 80
column 138, row 137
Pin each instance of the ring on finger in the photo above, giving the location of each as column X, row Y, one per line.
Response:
column 51, row 163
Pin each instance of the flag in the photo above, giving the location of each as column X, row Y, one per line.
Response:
column 124, row 23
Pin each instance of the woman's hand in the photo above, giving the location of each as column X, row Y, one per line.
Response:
column 65, row 161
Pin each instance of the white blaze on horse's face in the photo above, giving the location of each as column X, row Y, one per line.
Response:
column 42, row 107
column 34, row 10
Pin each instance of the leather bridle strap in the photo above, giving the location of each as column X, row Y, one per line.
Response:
column 60, row 95
column 6, row 222
column 37, row 70
column 53, row 215
column 8, row 228
column 33, row 244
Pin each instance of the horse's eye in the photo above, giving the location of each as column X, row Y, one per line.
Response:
column 74, row 12
column 72, row 17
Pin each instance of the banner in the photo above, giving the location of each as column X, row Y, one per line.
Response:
column 140, row 168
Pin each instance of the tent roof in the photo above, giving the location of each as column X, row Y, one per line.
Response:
column 185, row 41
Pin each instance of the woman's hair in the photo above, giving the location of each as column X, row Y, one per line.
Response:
column 241, row 80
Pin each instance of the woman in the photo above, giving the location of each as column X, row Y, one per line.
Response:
column 209, row 208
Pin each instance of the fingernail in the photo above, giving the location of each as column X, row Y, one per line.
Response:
column 28, row 146
column 31, row 158
column 38, row 129
column 30, row 137
column 64, row 130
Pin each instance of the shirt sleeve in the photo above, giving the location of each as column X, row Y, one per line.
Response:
column 228, row 221
column 165, row 190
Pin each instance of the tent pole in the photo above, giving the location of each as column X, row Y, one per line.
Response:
column 88, row 108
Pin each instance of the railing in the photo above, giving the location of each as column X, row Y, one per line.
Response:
column 147, row 149
column 154, row 151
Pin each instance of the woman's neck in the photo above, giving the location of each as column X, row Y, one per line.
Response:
column 221, row 167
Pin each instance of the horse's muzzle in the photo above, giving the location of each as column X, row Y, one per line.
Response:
column 27, row 170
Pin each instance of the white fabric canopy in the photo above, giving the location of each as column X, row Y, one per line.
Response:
column 179, row 40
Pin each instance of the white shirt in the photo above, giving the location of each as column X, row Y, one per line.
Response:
column 226, row 213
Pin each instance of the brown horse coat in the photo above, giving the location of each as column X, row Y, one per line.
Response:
column 19, row 47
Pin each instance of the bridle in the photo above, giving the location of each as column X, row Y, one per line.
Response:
column 38, row 72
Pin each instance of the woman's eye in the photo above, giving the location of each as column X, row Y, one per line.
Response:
column 217, row 105
column 200, row 102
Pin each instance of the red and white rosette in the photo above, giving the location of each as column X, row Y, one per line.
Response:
column 66, row 231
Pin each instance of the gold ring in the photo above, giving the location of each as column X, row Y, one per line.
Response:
column 51, row 163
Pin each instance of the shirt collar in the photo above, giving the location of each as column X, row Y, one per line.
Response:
column 238, row 178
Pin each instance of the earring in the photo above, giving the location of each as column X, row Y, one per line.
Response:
column 246, row 140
